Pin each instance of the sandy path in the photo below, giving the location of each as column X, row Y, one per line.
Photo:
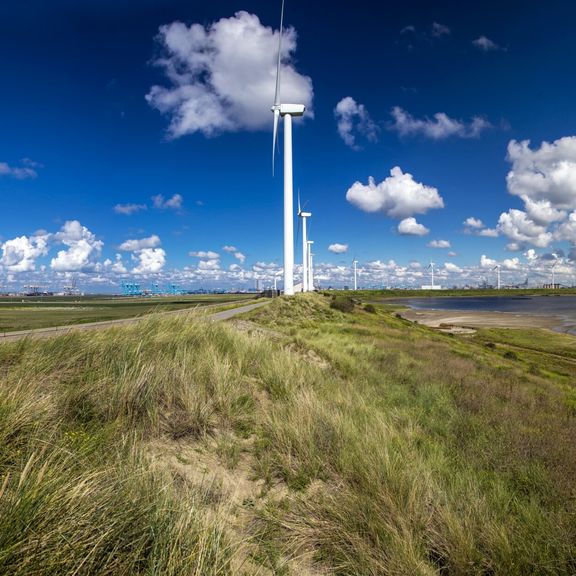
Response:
column 59, row 330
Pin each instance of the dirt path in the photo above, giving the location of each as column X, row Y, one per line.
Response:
column 59, row 330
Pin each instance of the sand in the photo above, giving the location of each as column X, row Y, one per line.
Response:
column 466, row 319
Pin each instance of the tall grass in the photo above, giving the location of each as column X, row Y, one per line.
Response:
column 365, row 446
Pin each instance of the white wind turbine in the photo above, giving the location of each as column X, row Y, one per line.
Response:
column 310, row 266
column 431, row 268
column 354, row 262
column 305, row 264
column 497, row 267
column 286, row 111
column 554, row 274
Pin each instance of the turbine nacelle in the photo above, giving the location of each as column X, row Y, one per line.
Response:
column 305, row 214
column 292, row 109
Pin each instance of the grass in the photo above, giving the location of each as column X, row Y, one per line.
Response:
column 317, row 442
column 39, row 312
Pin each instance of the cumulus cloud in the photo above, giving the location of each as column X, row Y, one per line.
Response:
column 83, row 248
column 476, row 227
column 410, row 227
column 398, row 196
column 149, row 260
column 133, row 245
column 438, row 128
column 439, row 30
column 222, row 77
column 353, row 120
column 19, row 172
column 116, row 266
column 230, row 249
column 239, row 256
column 438, row 244
column 473, row 222
column 205, row 254
column 20, row 254
column 161, row 203
column 517, row 225
column 452, row 268
column 338, row 248
column 129, row 209
column 485, row 44
column 209, row 264
column 567, row 230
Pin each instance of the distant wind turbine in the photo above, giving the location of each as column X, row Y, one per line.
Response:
column 431, row 268
column 304, row 215
column 553, row 274
column 286, row 111
column 354, row 262
column 497, row 267
column 310, row 266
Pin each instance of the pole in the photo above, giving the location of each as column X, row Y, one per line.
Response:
column 355, row 281
column 311, row 271
column 432, row 273
column 304, row 257
column 288, row 209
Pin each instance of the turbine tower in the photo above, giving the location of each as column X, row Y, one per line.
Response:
column 497, row 267
column 304, row 215
column 431, row 268
column 287, row 112
column 354, row 262
column 554, row 274
column 310, row 266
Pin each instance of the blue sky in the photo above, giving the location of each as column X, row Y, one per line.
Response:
column 136, row 140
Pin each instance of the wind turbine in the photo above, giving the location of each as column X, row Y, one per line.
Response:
column 497, row 267
column 287, row 112
column 431, row 268
column 553, row 274
column 304, row 215
column 354, row 262
column 310, row 266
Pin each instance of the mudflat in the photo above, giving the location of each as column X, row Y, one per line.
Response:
column 440, row 318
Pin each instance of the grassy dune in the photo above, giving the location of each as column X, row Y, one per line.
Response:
column 307, row 441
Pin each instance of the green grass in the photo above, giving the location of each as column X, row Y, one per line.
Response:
column 32, row 312
column 316, row 442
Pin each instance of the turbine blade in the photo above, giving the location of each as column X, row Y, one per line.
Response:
column 277, row 94
column 299, row 210
column 275, row 137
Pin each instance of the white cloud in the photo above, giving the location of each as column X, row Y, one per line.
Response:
column 473, row 223
column 488, row 233
column 83, row 248
column 117, row 266
column 209, row 265
column 567, row 230
column 19, row 172
column 133, row 245
column 438, row 244
column 399, row 196
column 439, row 30
column 338, row 248
column 544, row 178
column 485, row 44
column 353, row 119
column 486, row 262
column 516, row 225
column 150, row 260
column 222, row 77
column 205, row 254
column 239, row 256
column 441, row 127
column 452, row 268
column 410, row 227
column 230, row 249
column 174, row 203
column 20, row 254
column 129, row 209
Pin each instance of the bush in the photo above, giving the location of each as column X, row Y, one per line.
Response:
column 342, row 303
column 511, row 355
column 370, row 308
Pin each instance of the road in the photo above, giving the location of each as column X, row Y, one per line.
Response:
column 59, row 330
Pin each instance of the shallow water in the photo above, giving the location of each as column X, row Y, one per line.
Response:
column 561, row 307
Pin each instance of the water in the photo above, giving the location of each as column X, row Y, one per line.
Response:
column 563, row 308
